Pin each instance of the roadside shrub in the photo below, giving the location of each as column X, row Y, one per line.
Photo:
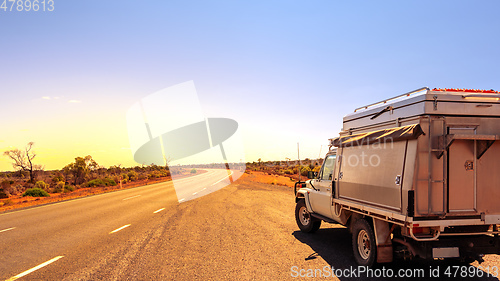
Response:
column 288, row 172
column 154, row 175
column 60, row 185
column 69, row 188
column 100, row 183
column 57, row 179
column 35, row 192
column 304, row 171
column 94, row 183
column 111, row 182
column 6, row 183
column 193, row 171
column 13, row 190
column 132, row 176
column 3, row 194
column 41, row 185
column 125, row 177
column 58, row 188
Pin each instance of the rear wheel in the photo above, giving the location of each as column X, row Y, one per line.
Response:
column 305, row 221
column 363, row 243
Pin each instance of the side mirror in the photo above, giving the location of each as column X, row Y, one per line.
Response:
column 312, row 175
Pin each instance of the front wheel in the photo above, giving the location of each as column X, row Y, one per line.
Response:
column 305, row 221
column 363, row 243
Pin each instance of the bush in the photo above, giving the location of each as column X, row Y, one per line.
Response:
column 125, row 177
column 36, row 192
column 60, row 185
column 193, row 171
column 57, row 179
column 3, row 194
column 110, row 182
column 154, row 175
column 41, row 185
column 304, row 171
column 69, row 188
column 6, row 183
column 13, row 190
column 94, row 183
column 58, row 188
column 100, row 182
column 132, row 175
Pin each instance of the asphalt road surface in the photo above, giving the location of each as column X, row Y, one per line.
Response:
column 244, row 231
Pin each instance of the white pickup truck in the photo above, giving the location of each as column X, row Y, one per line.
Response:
column 417, row 175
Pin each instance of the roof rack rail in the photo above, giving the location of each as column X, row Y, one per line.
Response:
column 397, row 97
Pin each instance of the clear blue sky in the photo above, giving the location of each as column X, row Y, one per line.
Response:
column 287, row 71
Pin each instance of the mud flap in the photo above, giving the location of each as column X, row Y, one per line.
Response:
column 384, row 243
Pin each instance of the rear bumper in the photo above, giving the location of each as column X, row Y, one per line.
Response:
column 468, row 246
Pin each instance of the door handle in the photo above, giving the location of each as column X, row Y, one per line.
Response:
column 398, row 180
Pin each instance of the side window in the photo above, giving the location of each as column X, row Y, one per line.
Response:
column 328, row 167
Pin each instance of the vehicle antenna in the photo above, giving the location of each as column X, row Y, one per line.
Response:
column 298, row 155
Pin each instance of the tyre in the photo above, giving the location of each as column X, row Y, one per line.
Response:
column 363, row 243
column 305, row 221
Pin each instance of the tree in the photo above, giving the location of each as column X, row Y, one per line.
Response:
column 23, row 160
column 81, row 168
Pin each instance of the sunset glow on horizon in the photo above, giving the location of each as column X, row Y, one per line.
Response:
column 286, row 72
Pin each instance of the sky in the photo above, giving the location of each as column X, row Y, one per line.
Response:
column 286, row 71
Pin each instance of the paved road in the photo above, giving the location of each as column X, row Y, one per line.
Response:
column 80, row 229
column 244, row 231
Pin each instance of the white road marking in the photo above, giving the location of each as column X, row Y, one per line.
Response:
column 118, row 229
column 131, row 197
column 7, row 229
column 204, row 188
column 207, row 174
column 223, row 178
column 54, row 204
column 195, row 193
column 157, row 211
column 34, row 268
column 182, row 200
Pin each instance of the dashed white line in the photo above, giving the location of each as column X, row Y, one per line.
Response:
column 131, row 197
column 7, row 229
column 34, row 268
column 182, row 200
column 195, row 193
column 223, row 178
column 159, row 210
column 118, row 229
column 204, row 188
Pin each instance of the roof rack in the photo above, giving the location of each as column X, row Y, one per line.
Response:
column 391, row 99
